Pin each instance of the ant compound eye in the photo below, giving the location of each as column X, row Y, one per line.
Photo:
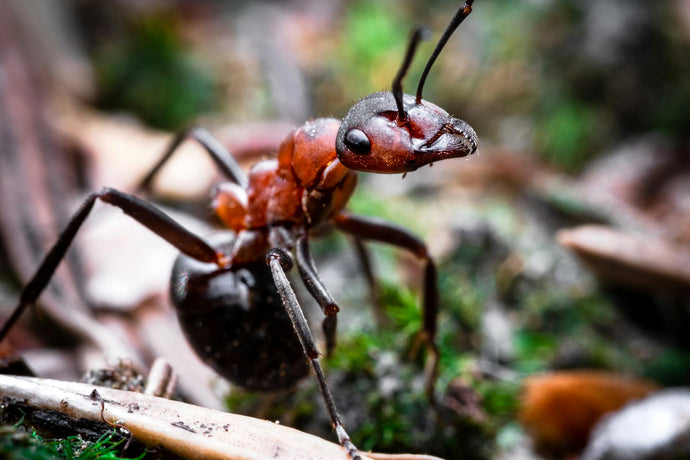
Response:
column 357, row 141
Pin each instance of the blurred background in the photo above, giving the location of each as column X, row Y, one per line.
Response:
column 562, row 245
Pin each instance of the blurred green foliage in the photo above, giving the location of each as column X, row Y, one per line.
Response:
column 566, row 131
column 148, row 72
column 579, row 78
column 600, row 79
column 577, row 87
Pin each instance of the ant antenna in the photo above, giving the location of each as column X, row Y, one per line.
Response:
column 460, row 16
column 419, row 33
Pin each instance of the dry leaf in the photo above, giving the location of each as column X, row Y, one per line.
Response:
column 630, row 260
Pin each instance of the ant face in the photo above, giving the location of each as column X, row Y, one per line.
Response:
column 371, row 138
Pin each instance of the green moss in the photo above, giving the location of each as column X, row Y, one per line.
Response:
column 20, row 443
column 356, row 351
column 500, row 398
column 394, row 426
column 534, row 351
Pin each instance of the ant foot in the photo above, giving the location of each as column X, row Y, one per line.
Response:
column 344, row 439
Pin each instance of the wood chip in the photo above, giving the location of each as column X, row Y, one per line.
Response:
column 190, row 431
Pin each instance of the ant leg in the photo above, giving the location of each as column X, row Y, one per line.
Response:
column 386, row 232
column 141, row 211
column 220, row 155
column 279, row 261
column 364, row 259
column 310, row 277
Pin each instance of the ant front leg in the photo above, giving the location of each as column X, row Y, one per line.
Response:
column 141, row 211
column 220, row 155
column 280, row 261
column 386, row 232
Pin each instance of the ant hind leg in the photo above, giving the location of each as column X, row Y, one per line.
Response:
column 141, row 211
column 386, row 232
column 365, row 262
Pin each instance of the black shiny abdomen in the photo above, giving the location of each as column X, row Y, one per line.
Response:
column 236, row 324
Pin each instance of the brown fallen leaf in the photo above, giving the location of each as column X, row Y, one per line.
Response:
column 630, row 260
column 559, row 409
column 190, row 431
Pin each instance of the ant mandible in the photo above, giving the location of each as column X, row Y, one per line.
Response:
column 227, row 292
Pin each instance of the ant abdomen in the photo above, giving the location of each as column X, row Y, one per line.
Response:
column 234, row 321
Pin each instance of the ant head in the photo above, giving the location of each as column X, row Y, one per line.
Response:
column 372, row 139
column 392, row 132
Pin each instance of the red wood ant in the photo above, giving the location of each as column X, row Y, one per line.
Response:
column 228, row 291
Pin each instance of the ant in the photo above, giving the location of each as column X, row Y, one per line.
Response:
column 228, row 291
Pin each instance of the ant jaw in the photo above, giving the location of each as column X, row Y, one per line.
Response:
column 455, row 139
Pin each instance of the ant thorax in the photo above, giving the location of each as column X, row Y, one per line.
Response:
column 303, row 186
